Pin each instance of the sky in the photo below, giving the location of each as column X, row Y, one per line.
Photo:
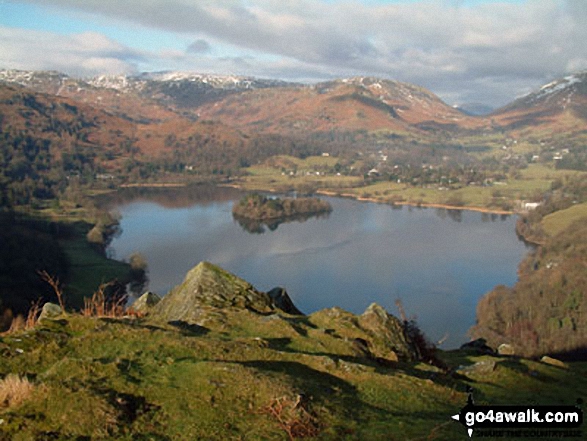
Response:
column 465, row 51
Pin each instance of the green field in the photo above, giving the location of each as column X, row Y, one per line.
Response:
column 559, row 221
column 272, row 178
column 530, row 183
column 88, row 269
column 88, row 265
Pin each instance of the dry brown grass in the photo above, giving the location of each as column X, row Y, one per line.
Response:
column 14, row 390
column 33, row 315
column 19, row 323
column 56, row 285
column 293, row 417
column 100, row 306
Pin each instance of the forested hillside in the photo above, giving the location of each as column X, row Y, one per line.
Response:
column 546, row 311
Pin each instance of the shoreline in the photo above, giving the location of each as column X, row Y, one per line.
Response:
column 398, row 203
column 154, row 185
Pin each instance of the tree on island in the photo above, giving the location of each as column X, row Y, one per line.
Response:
column 259, row 207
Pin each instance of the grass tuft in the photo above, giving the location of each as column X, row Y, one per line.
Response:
column 14, row 390
column 293, row 417
column 100, row 305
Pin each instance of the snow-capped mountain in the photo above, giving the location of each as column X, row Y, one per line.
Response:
column 41, row 81
column 556, row 95
column 224, row 82
column 559, row 106
column 359, row 103
column 175, row 89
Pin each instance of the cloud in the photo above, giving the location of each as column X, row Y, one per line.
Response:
column 444, row 45
column 199, row 47
column 82, row 54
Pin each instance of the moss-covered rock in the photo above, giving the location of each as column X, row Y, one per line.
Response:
column 208, row 285
column 388, row 333
column 374, row 334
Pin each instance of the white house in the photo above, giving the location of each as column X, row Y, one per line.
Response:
column 531, row 205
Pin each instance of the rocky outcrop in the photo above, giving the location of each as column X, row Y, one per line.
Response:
column 375, row 334
column 145, row 303
column 209, row 286
column 282, row 301
column 483, row 367
column 209, row 291
column 388, row 332
column 477, row 346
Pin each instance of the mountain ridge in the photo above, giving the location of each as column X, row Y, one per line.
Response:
column 275, row 106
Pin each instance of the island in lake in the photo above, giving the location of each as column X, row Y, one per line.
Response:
column 255, row 210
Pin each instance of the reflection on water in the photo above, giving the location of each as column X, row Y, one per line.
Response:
column 438, row 262
column 176, row 197
column 254, row 226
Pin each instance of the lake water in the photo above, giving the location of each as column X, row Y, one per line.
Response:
column 438, row 262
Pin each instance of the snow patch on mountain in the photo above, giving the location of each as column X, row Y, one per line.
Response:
column 564, row 85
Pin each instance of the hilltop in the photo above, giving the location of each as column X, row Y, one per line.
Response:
column 348, row 104
column 240, row 367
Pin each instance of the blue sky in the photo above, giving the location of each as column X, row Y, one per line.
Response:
column 463, row 50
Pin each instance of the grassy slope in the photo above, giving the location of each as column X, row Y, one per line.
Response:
column 559, row 221
column 133, row 379
column 88, row 269
column 88, row 266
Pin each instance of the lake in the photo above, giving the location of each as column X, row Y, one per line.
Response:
column 437, row 262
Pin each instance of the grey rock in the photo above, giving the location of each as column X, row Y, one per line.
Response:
column 282, row 300
column 350, row 367
column 206, row 286
column 553, row 362
column 387, row 332
column 478, row 346
column 506, row 349
column 484, row 367
column 145, row 302
column 50, row 311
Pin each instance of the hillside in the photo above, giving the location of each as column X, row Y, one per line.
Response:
column 545, row 310
column 261, row 105
column 130, row 106
column 99, row 141
column 345, row 105
column 143, row 98
column 56, row 118
column 229, row 364
column 48, row 142
column 558, row 106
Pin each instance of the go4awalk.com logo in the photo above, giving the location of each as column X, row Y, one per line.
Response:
column 521, row 421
